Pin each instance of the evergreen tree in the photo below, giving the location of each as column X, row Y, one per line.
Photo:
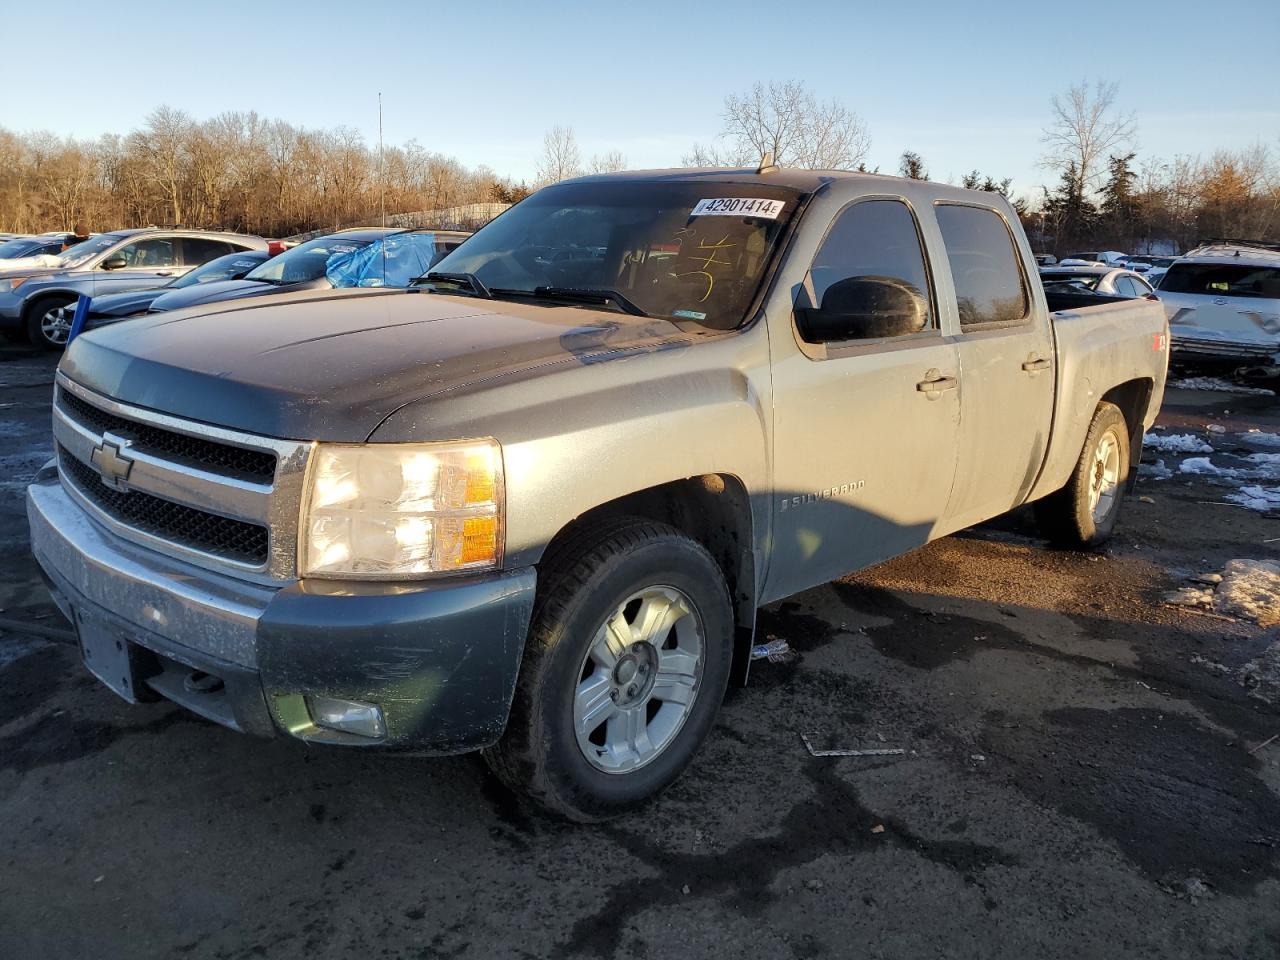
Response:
column 1069, row 211
column 911, row 166
column 1120, row 208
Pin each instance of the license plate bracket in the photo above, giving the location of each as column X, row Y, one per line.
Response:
column 106, row 653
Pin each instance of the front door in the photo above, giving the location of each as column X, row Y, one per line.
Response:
column 865, row 427
column 148, row 263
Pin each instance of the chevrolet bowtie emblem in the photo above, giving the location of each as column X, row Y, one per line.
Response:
column 110, row 464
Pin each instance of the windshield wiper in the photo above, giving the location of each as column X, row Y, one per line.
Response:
column 589, row 295
column 470, row 279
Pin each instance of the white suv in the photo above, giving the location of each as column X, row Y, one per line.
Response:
column 1223, row 303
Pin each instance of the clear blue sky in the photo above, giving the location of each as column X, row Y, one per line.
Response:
column 966, row 85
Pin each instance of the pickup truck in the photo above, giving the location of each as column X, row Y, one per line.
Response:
column 531, row 505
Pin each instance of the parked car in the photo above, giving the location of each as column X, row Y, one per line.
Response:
column 32, row 299
column 1112, row 258
column 1223, row 304
column 532, row 505
column 1045, row 259
column 119, row 306
column 312, row 265
column 20, row 248
column 1159, row 267
column 1104, row 281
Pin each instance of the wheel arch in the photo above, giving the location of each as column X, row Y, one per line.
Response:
column 1133, row 398
column 713, row 509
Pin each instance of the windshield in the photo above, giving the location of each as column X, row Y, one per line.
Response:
column 12, row 249
column 231, row 267
column 693, row 251
column 307, row 261
column 83, row 252
column 1223, row 280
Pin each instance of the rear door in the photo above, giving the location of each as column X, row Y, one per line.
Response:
column 866, row 427
column 1006, row 365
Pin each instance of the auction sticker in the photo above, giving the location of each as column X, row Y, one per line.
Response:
column 739, row 207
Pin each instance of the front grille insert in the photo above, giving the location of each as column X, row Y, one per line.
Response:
column 256, row 466
column 235, row 540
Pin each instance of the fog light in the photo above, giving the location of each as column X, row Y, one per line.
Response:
column 349, row 716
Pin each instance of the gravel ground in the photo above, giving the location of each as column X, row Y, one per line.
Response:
column 1081, row 778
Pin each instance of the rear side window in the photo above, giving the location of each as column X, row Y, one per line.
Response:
column 198, row 250
column 1223, row 280
column 875, row 240
column 984, row 265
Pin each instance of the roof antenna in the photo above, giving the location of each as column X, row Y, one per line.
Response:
column 766, row 163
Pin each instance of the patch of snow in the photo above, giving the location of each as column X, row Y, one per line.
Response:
column 1155, row 471
column 1177, row 443
column 1262, row 676
column 1219, row 385
column 1257, row 438
column 1201, row 466
column 1256, row 497
column 1250, row 589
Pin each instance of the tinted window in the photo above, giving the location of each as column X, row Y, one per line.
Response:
column 873, row 239
column 1223, row 280
column 197, row 250
column 1124, row 287
column 984, row 265
column 146, row 254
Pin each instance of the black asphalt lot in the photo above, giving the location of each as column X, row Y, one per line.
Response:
column 1077, row 782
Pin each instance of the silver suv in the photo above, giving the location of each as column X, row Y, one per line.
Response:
column 1223, row 303
column 34, row 300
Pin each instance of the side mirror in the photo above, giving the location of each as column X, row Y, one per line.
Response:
column 114, row 263
column 864, row 308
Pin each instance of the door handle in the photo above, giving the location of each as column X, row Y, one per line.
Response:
column 1035, row 364
column 164, row 273
column 934, row 383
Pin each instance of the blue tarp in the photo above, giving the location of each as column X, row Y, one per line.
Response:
column 393, row 261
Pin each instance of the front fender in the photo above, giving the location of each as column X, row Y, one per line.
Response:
column 577, row 436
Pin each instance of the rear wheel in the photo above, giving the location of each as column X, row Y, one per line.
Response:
column 1084, row 512
column 48, row 322
column 627, row 662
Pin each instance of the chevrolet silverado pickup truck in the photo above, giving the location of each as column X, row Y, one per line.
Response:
column 531, row 505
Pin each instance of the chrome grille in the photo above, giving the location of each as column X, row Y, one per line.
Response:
column 216, row 497
column 183, row 448
column 235, row 540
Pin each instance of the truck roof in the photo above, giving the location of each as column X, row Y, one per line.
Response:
column 1233, row 253
column 807, row 181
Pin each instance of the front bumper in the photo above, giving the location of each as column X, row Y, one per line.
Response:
column 440, row 660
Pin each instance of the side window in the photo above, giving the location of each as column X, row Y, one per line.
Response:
column 198, row 250
column 984, row 265
column 1141, row 288
column 146, row 254
column 870, row 270
column 1126, row 287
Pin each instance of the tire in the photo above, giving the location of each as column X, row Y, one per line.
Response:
column 41, row 331
column 559, row 749
column 1084, row 512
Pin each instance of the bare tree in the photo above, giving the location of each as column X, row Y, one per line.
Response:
column 1084, row 130
column 561, row 158
column 789, row 123
column 164, row 144
column 610, row 162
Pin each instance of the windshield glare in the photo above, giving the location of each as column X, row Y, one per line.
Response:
column 12, row 249
column 83, row 252
column 230, row 267
column 692, row 251
column 307, row 261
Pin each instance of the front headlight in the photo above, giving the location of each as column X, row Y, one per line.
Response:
column 397, row 511
column 12, row 283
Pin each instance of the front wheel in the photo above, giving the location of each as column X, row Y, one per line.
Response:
column 1084, row 512
column 49, row 322
column 627, row 662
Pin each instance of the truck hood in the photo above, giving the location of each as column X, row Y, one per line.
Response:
column 334, row 367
